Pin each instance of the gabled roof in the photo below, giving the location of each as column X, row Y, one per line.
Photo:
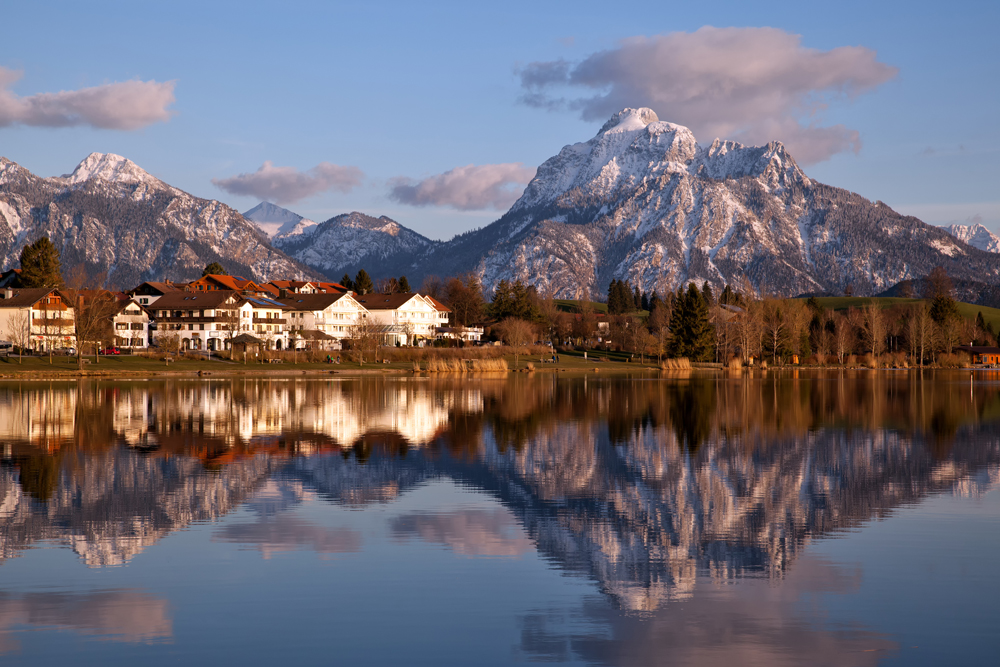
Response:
column 235, row 283
column 385, row 301
column 23, row 297
column 330, row 287
column 193, row 300
column 438, row 305
column 315, row 301
column 161, row 287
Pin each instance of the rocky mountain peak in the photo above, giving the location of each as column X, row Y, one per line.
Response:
column 630, row 119
column 109, row 167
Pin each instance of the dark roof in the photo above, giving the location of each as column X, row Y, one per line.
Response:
column 384, row 301
column 22, row 297
column 192, row 300
column 162, row 288
column 317, row 301
column 247, row 339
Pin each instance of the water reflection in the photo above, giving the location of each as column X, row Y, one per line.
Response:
column 661, row 492
column 119, row 615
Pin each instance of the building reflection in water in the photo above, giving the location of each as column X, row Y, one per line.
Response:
column 651, row 489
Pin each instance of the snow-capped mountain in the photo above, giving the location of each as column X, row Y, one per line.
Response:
column 976, row 235
column 643, row 201
column 278, row 221
column 352, row 241
column 123, row 226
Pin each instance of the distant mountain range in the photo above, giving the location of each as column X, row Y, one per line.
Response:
column 644, row 202
column 121, row 226
column 641, row 201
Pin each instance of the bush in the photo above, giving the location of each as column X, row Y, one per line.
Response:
column 735, row 364
column 675, row 364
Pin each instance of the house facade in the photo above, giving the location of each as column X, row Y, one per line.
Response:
column 201, row 320
column 334, row 314
column 408, row 317
column 131, row 324
column 37, row 317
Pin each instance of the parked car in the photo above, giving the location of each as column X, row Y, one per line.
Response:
column 111, row 350
column 66, row 351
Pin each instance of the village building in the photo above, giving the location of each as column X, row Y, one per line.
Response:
column 130, row 324
column 334, row 314
column 147, row 293
column 407, row 317
column 269, row 321
column 202, row 320
column 987, row 355
column 36, row 317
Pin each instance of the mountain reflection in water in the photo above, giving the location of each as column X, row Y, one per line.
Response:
column 652, row 489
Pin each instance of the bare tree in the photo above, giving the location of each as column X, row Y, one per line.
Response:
column 843, row 337
column 19, row 331
column 659, row 324
column 516, row 333
column 93, row 320
column 230, row 320
column 873, row 327
column 368, row 335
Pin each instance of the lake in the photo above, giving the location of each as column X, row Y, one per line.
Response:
column 790, row 518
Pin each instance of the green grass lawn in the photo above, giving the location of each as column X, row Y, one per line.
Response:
column 968, row 310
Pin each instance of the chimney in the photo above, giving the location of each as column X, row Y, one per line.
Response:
column 8, row 293
column 282, row 293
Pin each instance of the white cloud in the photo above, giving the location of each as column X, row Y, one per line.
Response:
column 751, row 84
column 286, row 185
column 128, row 105
column 473, row 187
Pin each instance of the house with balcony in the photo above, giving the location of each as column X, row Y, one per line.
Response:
column 202, row 320
column 36, row 317
column 130, row 323
column 333, row 314
column 408, row 316
column 148, row 292
column 269, row 321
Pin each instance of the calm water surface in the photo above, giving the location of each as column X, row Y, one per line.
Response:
column 826, row 519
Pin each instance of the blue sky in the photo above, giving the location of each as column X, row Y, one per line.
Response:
column 405, row 93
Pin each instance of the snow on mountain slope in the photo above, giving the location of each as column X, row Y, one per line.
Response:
column 278, row 221
column 643, row 201
column 351, row 241
column 123, row 226
column 975, row 235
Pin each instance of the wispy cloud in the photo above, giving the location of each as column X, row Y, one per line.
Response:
column 469, row 188
column 287, row 185
column 750, row 84
column 128, row 105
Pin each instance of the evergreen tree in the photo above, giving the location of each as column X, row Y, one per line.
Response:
column 363, row 283
column 706, row 293
column 636, row 299
column 613, row 306
column 214, row 269
column 404, row 285
column 644, row 305
column 654, row 302
column 692, row 334
column 40, row 265
column 347, row 282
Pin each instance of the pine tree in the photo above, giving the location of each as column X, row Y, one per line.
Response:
column 40, row 265
column 645, row 301
column 214, row 269
column 347, row 282
column 363, row 283
column 636, row 299
column 404, row 285
column 706, row 293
